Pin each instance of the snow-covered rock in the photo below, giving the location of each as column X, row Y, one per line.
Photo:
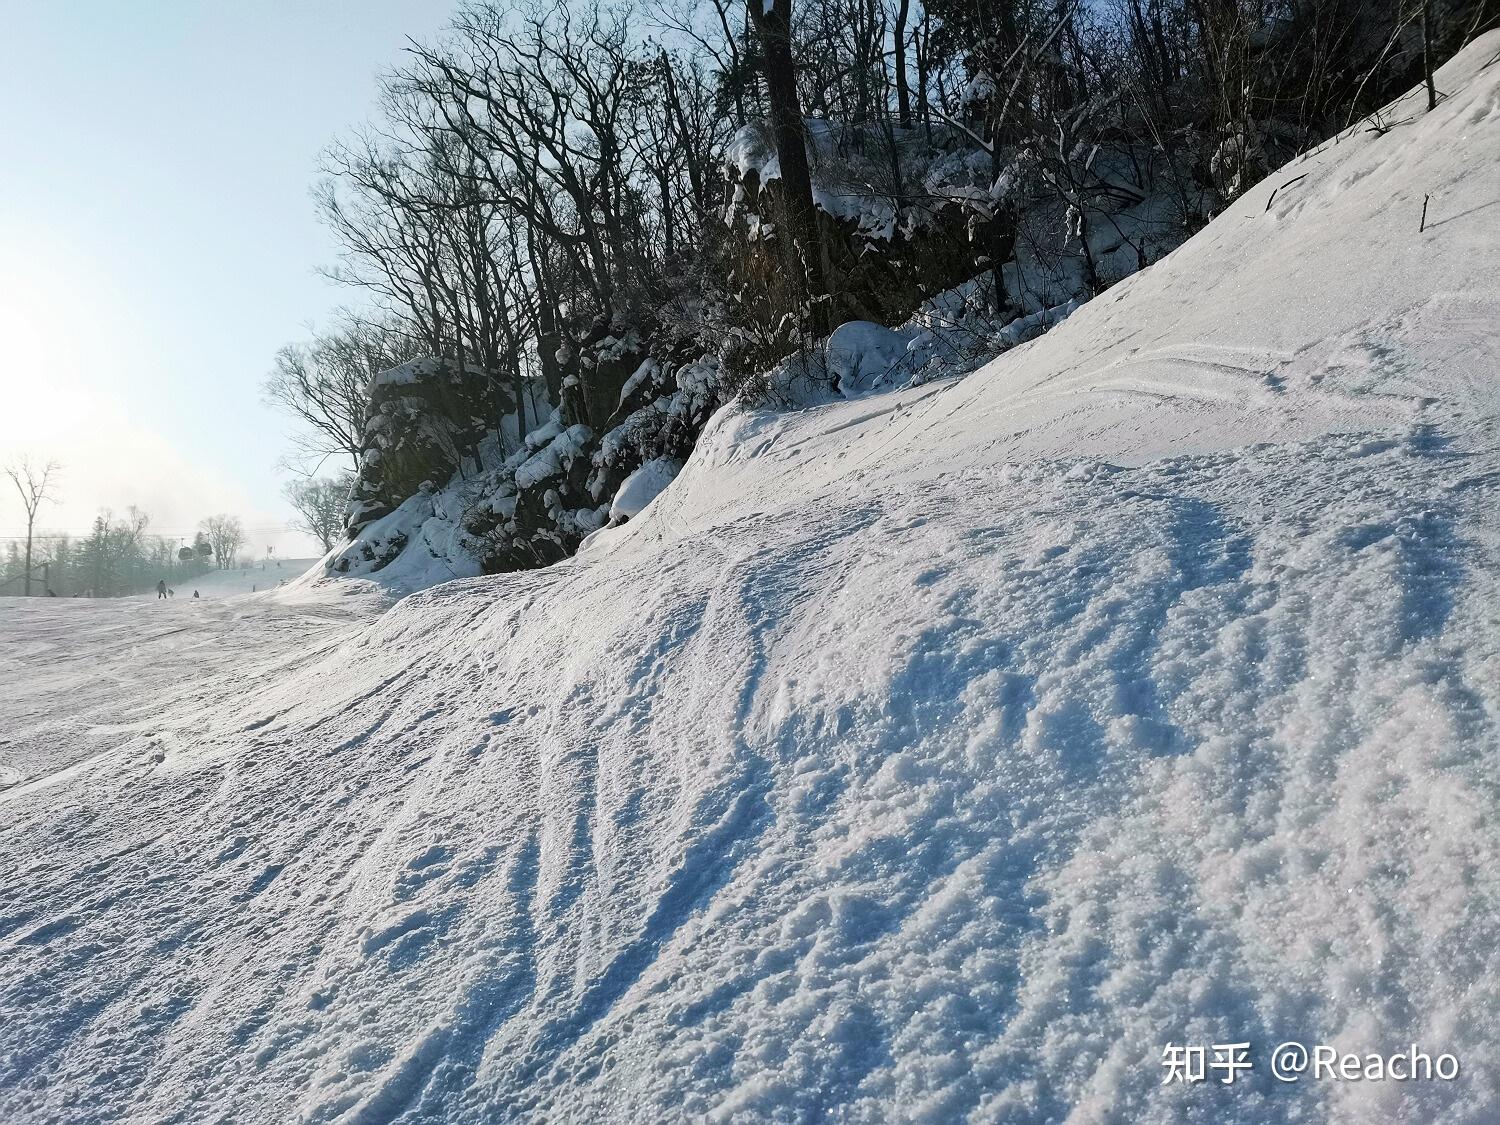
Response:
column 859, row 354
column 426, row 419
column 419, row 544
column 515, row 502
column 641, row 487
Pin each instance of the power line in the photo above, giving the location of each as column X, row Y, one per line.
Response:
column 165, row 532
column 170, row 533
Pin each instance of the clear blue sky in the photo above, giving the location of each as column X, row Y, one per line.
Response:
column 158, row 242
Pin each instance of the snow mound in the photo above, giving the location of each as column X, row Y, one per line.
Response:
column 933, row 755
column 859, row 354
column 643, row 486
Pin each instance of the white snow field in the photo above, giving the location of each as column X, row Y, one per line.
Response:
column 938, row 755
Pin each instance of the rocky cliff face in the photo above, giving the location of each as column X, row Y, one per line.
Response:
column 426, row 419
column 900, row 218
column 454, row 495
column 913, row 213
column 562, row 484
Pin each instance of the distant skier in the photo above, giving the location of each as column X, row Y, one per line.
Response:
column 161, row 588
column 195, row 593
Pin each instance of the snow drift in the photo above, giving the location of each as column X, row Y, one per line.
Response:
column 940, row 754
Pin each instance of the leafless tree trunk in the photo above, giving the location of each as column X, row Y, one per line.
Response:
column 34, row 484
column 898, row 61
column 773, row 25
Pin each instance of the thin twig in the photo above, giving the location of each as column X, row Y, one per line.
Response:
column 1278, row 187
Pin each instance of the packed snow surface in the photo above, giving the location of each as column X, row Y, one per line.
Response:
column 940, row 754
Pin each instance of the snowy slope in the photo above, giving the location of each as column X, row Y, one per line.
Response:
column 941, row 754
column 229, row 583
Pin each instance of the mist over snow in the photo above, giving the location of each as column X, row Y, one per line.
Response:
column 935, row 753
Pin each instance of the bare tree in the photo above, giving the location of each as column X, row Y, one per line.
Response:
column 325, row 384
column 773, row 26
column 35, row 487
column 320, row 506
column 225, row 535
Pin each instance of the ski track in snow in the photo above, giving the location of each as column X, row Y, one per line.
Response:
column 942, row 754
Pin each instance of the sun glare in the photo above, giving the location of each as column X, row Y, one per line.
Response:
column 51, row 326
